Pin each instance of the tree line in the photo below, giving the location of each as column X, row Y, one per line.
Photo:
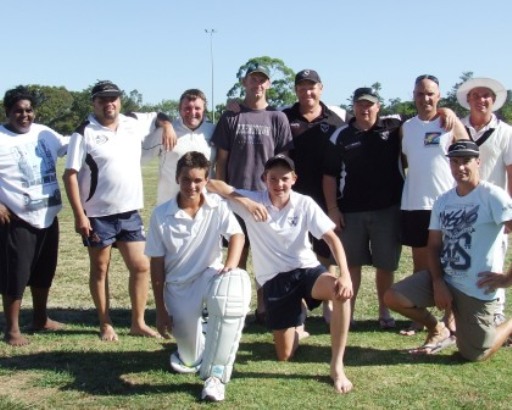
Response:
column 63, row 110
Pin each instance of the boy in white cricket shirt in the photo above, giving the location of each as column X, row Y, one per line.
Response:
column 187, row 272
column 278, row 222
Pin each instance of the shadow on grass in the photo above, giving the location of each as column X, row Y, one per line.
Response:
column 127, row 372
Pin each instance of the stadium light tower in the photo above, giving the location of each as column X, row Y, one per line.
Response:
column 211, row 32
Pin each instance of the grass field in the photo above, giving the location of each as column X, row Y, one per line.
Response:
column 73, row 369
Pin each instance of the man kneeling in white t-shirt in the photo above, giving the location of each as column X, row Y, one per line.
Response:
column 187, row 273
column 278, row 222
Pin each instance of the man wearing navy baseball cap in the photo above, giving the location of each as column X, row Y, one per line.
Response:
column 465, row 263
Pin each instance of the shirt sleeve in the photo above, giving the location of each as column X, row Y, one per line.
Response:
column 283, row 137
column 76, row 152
column 222, row 135
column 230, row 225
column 154, row 243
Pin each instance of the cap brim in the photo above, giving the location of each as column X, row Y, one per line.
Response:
column 463, row 153
column 367, row 97
column 107, row 93
column 495, row 86
column 258, row 71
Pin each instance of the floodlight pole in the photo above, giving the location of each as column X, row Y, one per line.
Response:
column 211, row 32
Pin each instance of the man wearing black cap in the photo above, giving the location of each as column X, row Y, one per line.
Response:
column 362, row 164
column 245, row 140
column 312, row 123
column 103, row 182
column 464, row 262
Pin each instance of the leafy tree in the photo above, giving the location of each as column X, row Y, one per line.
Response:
column 169, row 107
column 450, row 101
column 283, row 80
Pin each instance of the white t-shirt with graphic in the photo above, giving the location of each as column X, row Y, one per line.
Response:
column 28, row 176
column 471, row 227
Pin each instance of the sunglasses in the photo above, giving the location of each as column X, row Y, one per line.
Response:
column 426, row 77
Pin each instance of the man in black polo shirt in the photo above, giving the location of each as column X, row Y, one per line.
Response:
column 363, row 163
column 312, row 123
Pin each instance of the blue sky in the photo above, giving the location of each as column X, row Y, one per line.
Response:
column 160, row 47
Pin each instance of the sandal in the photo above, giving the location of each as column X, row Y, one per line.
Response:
column 437, row 340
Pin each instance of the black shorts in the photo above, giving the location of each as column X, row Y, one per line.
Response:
column 415, row 228
column 283, row 295
column 28, row 256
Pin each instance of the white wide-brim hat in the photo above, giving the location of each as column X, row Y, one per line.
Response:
column 495, row 86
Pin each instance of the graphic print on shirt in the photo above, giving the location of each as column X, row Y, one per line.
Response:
column 457, row 227
column 251, row 134
column 39, row 175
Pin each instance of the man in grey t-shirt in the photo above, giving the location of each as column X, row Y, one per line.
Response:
column 245, row 140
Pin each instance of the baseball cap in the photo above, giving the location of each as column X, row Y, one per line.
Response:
column 257, row 68
column 496, row 87
column 366, row 93
column 280, row 158
column 105, row 89
column 463, row 148
column 309, row 75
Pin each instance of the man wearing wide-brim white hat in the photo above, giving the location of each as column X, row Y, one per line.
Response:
column 483, row 96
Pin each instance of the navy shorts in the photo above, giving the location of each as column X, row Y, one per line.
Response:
column 283, row 296
column 124, row 227
column 28, row 256
column 415, row 228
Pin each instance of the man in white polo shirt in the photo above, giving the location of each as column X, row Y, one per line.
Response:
column 187, row 272
column 193, row 133
column 103, row 182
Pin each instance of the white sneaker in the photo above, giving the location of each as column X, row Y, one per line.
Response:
column 179, row 367
column 213, row 389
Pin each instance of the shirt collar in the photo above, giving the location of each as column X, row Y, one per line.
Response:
column 174, row 210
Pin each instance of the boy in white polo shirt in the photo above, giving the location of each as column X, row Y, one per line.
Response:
column 278, row 222
column 184, row 243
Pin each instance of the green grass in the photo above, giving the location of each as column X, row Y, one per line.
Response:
column 73, row 369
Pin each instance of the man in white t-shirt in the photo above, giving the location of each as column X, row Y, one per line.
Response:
column 30, row 200
column 482, row 96
column 193, row 133
column 103, row 182
column 187, row 272
column 278, row 222
column 465, row 262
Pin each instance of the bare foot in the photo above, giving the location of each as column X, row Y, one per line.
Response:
column 342, row 384
column 144, row 331
column 15, row 339
column 108, row 334
column 50, row 326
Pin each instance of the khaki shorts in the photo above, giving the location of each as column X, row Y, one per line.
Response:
column 474, row 318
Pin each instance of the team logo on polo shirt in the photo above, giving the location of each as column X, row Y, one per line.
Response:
column 324, row 128
column 101, row 139
column 292, row 220
column 384, row 135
